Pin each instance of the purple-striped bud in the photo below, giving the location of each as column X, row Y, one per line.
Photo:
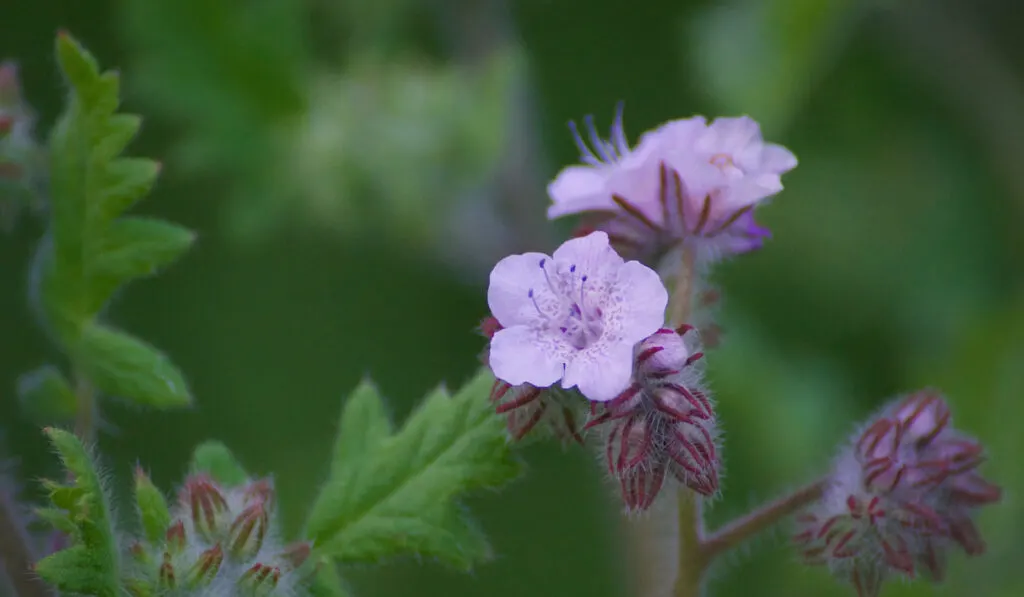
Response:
column 260, row 578
column 206, row 567
column 900, row 496
column 662, row 424
column 207, row 507
column 248, row 531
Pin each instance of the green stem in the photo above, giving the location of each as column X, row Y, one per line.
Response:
column 736, row 532
column 691, row 516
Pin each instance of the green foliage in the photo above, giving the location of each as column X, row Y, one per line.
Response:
column 81, row 508
column 216, row 459
column 90, row 251
column 46, row 394
column 231, row 75
column 153, row 512
column 124, row 366
column 392, row 493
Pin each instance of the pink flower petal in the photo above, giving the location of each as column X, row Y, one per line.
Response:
column 511, row 281
column 601, row 379
column 518, row 355
column 577, row 189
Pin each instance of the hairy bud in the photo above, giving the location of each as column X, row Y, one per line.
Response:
column 663, row 425
column 902, row 493
column 525, row 406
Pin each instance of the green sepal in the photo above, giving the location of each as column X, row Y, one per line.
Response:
column 153, row 512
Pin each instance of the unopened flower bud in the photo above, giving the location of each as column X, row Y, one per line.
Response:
column 176, row 537
column 260, row 578
column 900, row 495
column 248, row 531
column 662, row 424
column 207, row 507
column 166, row 577
column 296, row 554
column 206, row 567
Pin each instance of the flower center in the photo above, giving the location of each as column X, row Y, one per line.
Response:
column 566, row 307
column 723, row 161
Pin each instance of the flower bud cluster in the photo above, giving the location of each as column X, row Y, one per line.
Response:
column 901, row 495
column 663, row 425
column 221, row 540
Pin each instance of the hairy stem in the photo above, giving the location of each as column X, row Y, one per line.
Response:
column 692, row 559
column 752, row 523
column 691, row 516
column 16, row 556
column 85, row 418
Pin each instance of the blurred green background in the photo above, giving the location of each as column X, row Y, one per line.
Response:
column 354, row 168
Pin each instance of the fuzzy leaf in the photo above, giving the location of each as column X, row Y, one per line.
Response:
column 90, row 565
column 216, row 459
column 87, row 253
column 123, row 366
column 133, row 248
column 397, row 494
column 46, row 394
column 153, row 512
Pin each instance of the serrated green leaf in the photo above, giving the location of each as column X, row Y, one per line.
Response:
column 124, row 181
column 152, row 505
column 46, row 394
column 57, row 518
column 214, row 458
column 398, row 494
column 120, row 130
column 123, row 366
column 364, row 425
column 91, row 565
column 88, row 253
column 133, row 248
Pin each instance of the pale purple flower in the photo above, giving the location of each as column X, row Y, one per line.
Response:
column 574, row 316
column 685, row 182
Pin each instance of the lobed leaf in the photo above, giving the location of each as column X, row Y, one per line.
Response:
column 89, row 250
column 121, row 365
column 134, row 248
column 91, row 565
column 398, row 493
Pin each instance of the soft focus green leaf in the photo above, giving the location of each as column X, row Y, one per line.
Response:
column 88, row 253
column 132, row 248
column 90, row 566
column 216, row 459
column 761, row 57
column 397, row 494
column 46, row 394
column 123, row 366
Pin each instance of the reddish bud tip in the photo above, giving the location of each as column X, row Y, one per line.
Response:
column 207, row 506
column 248, row 531
column 206, row 567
